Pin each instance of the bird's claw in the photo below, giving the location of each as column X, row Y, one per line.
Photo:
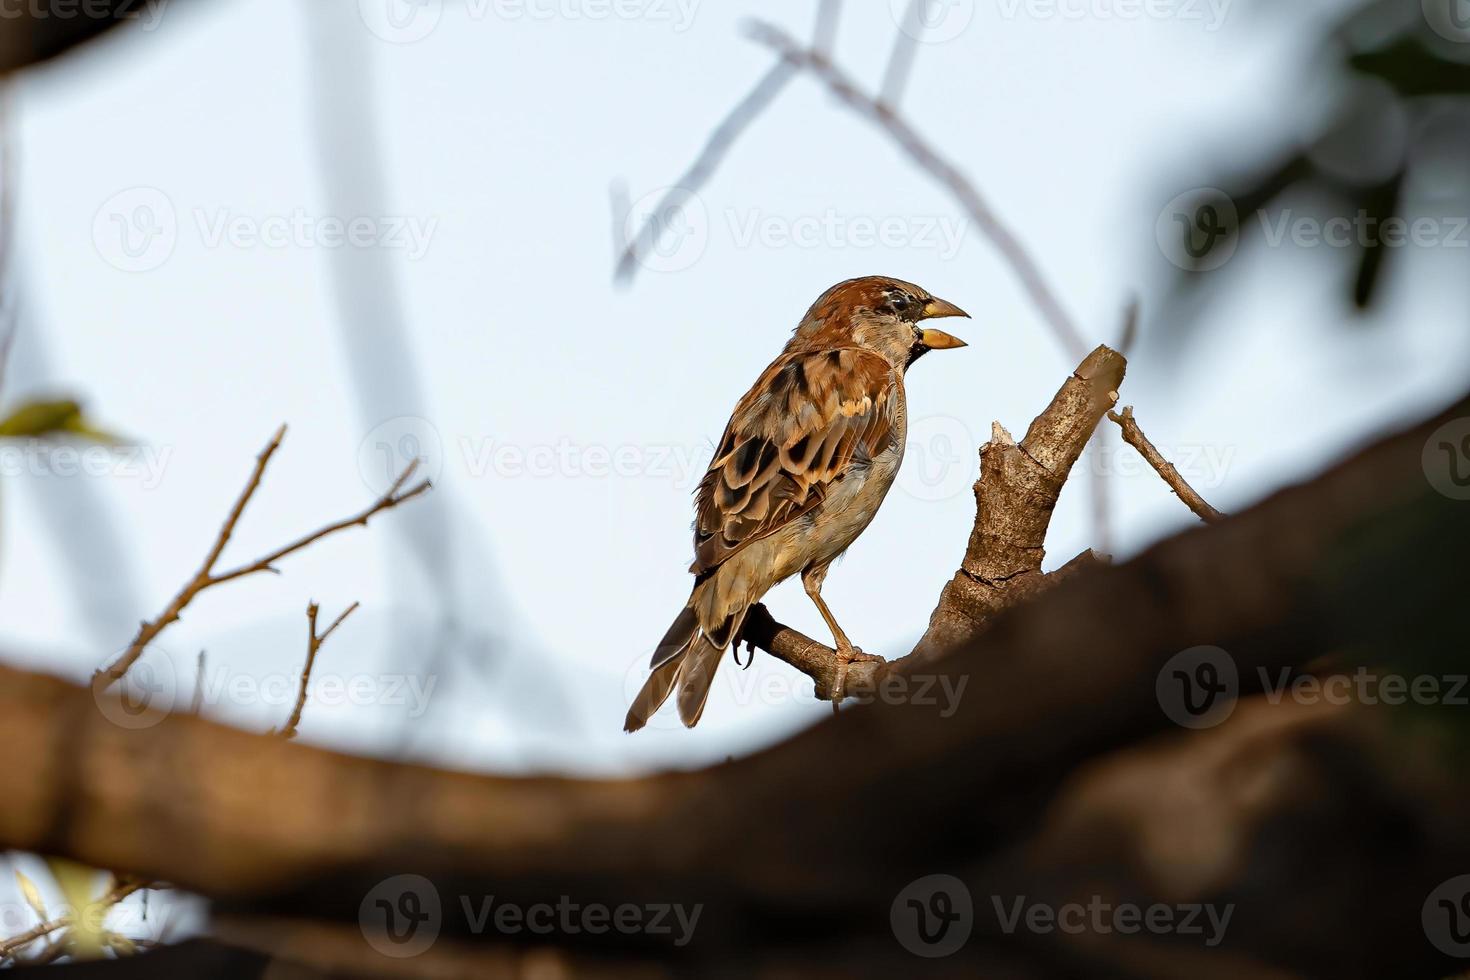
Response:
column 849, row 654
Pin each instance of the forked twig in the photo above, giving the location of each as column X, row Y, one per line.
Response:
column 313, row 644
column 206, row 577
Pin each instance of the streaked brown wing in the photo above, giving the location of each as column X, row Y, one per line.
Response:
column 809, row 418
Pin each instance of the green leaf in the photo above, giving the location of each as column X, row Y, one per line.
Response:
column 51, row 417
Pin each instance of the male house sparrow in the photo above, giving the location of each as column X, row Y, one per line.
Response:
column 804, row 464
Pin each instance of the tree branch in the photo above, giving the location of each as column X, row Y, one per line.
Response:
column 1134, row 436
column 928, row 159
column 710, row 157
column 206, row 577
column 313, row 644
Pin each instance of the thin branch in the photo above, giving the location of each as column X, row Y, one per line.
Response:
column 929, row 160
column 714, row 152
column 716, row 148
column 1134, row 436
column 313, row 644
column 206, row 577
column 901, row 62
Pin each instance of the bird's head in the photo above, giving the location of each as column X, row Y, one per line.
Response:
column 880, row 314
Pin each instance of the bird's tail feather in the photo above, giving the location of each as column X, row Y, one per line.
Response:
column 678, row 638
column 686, row 658
column 700, row 664
column 654, row 693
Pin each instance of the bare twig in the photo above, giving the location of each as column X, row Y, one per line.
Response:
column 206, row 576
column 1134, row 436
column 632, row 248
column 715, row 149
column 929, row 160
column 313, row 644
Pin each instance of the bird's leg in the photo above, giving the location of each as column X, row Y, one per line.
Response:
column 811, row 580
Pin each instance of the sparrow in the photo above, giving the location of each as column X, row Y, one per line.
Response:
column 804, row 463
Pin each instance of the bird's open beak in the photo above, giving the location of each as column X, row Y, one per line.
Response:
column 938, row 339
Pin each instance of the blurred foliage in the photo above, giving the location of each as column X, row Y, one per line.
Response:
column 1401, row 661
column 78, row 885
column 1394, row 129
column 36, row 419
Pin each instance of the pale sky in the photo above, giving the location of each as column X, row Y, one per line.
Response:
column 566, row 420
